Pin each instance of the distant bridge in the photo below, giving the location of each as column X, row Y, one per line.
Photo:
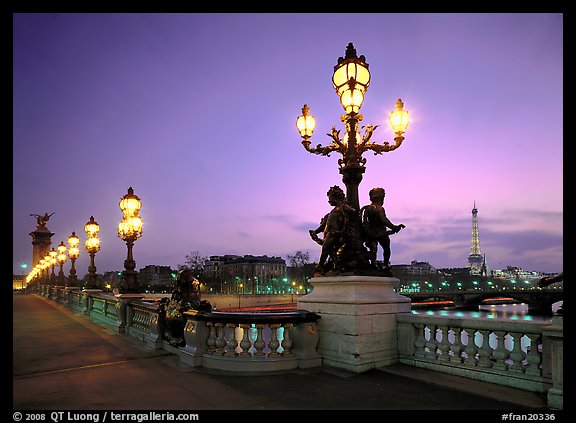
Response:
column 539, row 301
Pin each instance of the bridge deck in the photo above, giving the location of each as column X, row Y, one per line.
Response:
column 63, row 361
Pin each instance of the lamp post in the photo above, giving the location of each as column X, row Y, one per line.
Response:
column 92, row 246
column 129, row 230
column 351, row 79
column 61, row 260
column 42, row 263
column 39, row 273
column 73, row 254
column 46, row 268
column 53, row 254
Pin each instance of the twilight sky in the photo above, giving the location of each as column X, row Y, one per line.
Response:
column 197, row 113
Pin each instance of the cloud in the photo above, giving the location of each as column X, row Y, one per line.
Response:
column 290, row 222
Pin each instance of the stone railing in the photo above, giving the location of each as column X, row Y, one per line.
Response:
column 103, row 308
column 76, row 300
column 227, row 341
column 525, row 355
column 251, row 341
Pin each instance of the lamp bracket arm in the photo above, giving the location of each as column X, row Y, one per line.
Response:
column 335, row 135
column 385, row 147
column 319, row 149
column 367, row 135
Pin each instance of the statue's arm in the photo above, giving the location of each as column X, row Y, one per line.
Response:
column 388, row 223
column 385, row 220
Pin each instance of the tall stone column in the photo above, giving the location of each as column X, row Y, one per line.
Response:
column 358, row 327
column 41, row 243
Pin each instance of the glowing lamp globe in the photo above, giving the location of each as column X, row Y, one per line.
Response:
column 351, row 79
column 92, row 228
column 399, row 118
column 306, row 123
column 130, row 204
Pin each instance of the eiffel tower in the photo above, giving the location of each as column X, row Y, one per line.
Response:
column 476, row 262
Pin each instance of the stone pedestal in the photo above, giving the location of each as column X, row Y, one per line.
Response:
column 553, row 336
column 41, row 241
column 357, row 328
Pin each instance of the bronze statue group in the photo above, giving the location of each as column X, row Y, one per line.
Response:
column 351, row 237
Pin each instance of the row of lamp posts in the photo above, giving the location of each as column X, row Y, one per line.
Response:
column 129, row 230
column 351, row 79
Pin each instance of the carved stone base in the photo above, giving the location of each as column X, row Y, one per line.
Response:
column 357, row 328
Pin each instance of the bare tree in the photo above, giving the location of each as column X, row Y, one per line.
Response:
column 195, row 262
column 300, row 268
column 299, row 259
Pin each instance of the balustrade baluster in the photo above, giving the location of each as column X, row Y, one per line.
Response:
column 420, row 341
column 245, row 343
column 259, row 343
column 220, row 339
column 471, row 348
column 211, row 341
column 534, row 356
column 287, row 341
column 431, row 344
column 456, row 346
column 273, row 344
column 485, row 351
column 444, row 345
column 516, row 355
column 500, row 353
column 231, row 343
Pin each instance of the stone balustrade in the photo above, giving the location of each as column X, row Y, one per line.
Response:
column 251, row 341
column 526, row 355
column 226, row 341
column 517, row 354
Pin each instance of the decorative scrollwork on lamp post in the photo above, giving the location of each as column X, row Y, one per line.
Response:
column 129, row 230
column 92, row 246
column 351, row 80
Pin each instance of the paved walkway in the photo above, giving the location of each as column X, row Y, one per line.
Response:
column 62, row 361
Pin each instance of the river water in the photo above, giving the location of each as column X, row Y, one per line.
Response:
column 515, row 312
column 510, row 312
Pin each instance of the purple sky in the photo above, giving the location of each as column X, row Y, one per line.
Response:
column 197, row 113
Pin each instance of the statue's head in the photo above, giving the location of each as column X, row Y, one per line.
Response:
column 185, row 279
column 377, row 194
column 336, row 195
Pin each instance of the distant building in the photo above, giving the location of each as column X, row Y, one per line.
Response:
column 414, row 269
column 248, row 274
column 514, row 272
column 157, row 278
column 213, row 266
column 18, row 282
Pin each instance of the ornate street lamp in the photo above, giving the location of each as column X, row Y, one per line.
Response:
column 53, row 254
column 92, row 246
column 351, row 80
column 129, row 230
column 42, row 263
column 73, row 254
column 61, row 260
